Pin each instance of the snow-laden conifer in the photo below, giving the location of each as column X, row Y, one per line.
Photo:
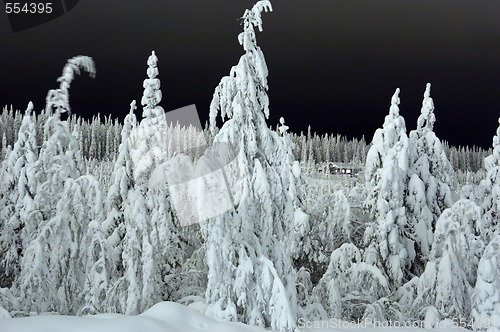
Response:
column 245, row 246
column 451, row 271
column 95, row 254
column 146, row 140
column 53, row 270
column 122, row 182
column 58, row 99
column 486, row 293
column 152, row 94
column 17, row 193
column 59, row 164
column 387, row 244
column 60, row 157
column 491, row 204
column 385, row 138
column 430, row 163
column 351, row 289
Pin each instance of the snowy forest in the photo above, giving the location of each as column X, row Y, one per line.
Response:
column 89, row 224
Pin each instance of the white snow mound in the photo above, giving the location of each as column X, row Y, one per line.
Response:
column 162, row 317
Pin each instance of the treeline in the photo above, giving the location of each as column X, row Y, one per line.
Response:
column 99, row 139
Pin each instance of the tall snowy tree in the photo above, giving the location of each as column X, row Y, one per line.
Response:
column 486, row 293
column 491, row 204
column 430, row 164
column 146, row 140
column 451, row 271
column 140, row 226
column 350, row 287
column 385, row 138
column 16, row 194
column 129, row 293
column 122, row 182
column 60, row 156
column 95, row 261
column 152, row 94
column 245, row 246
column 52, row 275
column 59, row 161
column 388, row 245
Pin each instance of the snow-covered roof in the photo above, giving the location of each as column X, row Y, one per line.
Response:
column 343, row 165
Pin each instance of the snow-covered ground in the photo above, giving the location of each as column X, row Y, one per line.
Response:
column 169, row 317
column 173, row 317
column 162, row 317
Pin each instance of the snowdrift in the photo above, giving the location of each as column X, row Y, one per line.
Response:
column 162, row 317
column 173, row 317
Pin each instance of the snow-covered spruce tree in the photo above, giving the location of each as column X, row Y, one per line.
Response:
column 60, row 156
column 126, row 211
column 430, row 164
column 420, row 222
column 451, row 270
column 385, row 138
column 322, row 226
column 58, row 253
column 388, row 245
column 94, row 252
column 152, row 94
column 17, row 193
column 122, row 181
column 150, row 251
column 140, row 227
column 129, row 292
column 251, row 278
column 58, row 99
column 491, row 204
column 486, row 293
column 146, row 140
column 59, row 160
column 353, row 290
column 170, row 249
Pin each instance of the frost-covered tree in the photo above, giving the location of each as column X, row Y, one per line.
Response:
column 151, row 251
column 486, row 293
column 130, row 292
column 245, row 246
column 96, row 258
column 122, row 181
column 60, row 156
column 146, row 140
column 351, row 289
column 451, row 271
column 322, row 225
column 387, row 242
column 430, row 163
column 420, row 221
column 491, row 204
column 152, row 94
column 53, row 268
column 58, row 99
column 140, row 230
column 385, row 138
column 59, row 162
column 3, row 153
column 16, row 194
column 169, row 243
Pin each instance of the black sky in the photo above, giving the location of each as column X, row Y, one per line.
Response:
column 333, row 64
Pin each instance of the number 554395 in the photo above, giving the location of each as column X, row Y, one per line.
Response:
column 28, row 8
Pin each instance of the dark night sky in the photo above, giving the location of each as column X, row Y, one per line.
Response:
column 333, row 64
